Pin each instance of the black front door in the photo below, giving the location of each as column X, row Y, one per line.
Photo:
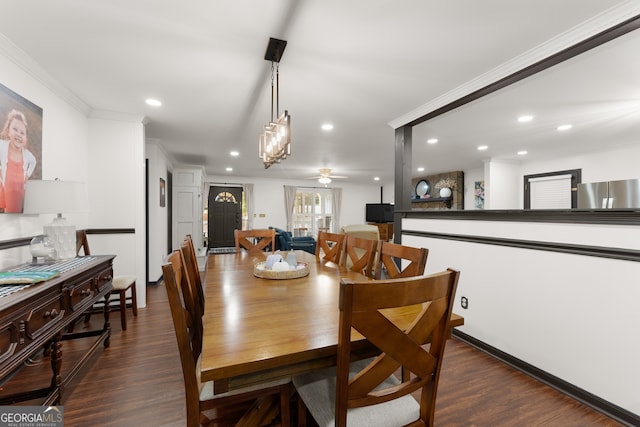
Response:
column 225, row 215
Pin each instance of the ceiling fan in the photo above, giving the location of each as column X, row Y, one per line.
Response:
column 325, row 176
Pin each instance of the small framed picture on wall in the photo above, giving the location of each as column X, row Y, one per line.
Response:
column 479, row 194
column 163, row 192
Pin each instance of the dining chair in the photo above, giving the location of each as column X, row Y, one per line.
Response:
column 82, row 243
column 119, row 285
column 392, row 256
column 190, row 299
column 367, row 392
column 329, row 246
column 270, row 400
column 193, row 271
column 359, row 254
column 255, row 240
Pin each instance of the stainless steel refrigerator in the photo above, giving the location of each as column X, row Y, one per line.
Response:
column 610, row 194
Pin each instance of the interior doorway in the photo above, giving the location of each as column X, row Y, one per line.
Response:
column 224, row 215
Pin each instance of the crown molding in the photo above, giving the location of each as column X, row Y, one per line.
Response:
column 157, row 143
column 16, row 55
column 118, row 117
column 595, row 25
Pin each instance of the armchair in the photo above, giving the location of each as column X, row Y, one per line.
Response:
column 286, row 242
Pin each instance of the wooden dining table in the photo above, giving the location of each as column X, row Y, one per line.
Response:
column 257, row 330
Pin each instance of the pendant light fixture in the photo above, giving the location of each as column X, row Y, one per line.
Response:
column 274, row 143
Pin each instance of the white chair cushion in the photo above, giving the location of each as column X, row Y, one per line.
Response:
column 318, row 392
column 122, row 282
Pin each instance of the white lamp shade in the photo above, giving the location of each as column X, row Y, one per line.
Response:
column 43, row 196
column 57, row 197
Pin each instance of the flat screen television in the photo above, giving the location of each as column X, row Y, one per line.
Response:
column 379, row 212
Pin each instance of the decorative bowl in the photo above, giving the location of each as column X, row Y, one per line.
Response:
column 261, row 270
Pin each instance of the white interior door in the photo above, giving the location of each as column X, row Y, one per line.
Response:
column 187, row 202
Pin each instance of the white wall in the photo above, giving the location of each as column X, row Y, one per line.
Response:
column 606, row 165
column 573, row 316
column 269, row 199
column 159, row 164
column 500, row 191
column 117, row 194
column 562, row 313
column 105, row 151
column 65, row 151
column 504, row 180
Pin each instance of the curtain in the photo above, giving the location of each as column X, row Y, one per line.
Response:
column 289, row 200
column 248, row 198
column 337, row 203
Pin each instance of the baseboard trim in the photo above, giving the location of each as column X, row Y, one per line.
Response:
column 609, row 409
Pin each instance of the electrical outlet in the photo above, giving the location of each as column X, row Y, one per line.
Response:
column 464, row 302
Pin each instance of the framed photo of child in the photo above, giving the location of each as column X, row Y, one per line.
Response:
column 20, row 148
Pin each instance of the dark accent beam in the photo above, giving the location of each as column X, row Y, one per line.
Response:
column 111, row 231
column 573, row 216
column 402, row 181
column 25, row 241
column 568, row 53
column 15, row 243
column 567, row 248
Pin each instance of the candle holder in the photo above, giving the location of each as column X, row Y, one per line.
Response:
column 42, row 250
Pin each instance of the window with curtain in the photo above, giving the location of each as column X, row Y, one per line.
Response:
column 312, row 211
column 245, row 214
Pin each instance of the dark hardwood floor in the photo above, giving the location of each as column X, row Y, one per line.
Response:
column 137, row 382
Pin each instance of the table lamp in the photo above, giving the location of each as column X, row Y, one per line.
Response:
column 42, row 196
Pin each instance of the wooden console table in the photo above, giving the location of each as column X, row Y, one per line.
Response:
column 34, row 318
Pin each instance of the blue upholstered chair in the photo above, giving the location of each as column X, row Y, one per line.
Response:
column 285, row 242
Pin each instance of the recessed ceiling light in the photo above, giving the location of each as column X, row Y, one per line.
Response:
column 234, row 153
column 327, row 126
column 522, row 152
column 377, row 178
column 229, row 169
column 420, row 169
column 432, row 141
column 524, row 119
column 564, row 127
column 153, row 102
column 483, row 147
